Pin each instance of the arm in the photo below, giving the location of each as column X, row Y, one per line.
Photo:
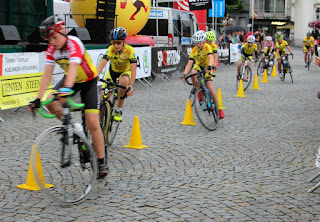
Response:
column 215, row 58
column 188, row 67
column 133, row 67
column 289, row 49
column 72, row 73
column 46, row 78
column 101, row 65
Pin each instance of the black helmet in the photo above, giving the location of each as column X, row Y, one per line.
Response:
column 52, row 23
column 119, row 33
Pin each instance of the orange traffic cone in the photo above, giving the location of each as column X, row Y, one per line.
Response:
column 31, row 183
column 265, row 78
column 188, row 116
column 135, row 139
column 220, row 99
column 240, row 90
column 274, row 72
column 255, row 83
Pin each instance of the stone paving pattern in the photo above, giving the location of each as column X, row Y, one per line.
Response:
column 254, row 167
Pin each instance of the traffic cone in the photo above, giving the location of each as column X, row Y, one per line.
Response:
column 135, row 139
column 31, row 183
column 240, row 90
column 274, row 72
column 188, row 116
column 265, row 78
column 220, row 99
column 255, row 83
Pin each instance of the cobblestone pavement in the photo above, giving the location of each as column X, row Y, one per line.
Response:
column 254, row 167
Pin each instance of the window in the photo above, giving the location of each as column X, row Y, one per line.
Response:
column 150, row 28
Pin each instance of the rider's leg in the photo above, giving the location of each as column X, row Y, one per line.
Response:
column 123, row 81
column 209, row 85
column 195, row 79
column 279, row 64
column 239, row 66
column 94, row 127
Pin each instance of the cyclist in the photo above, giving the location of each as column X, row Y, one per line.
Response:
column 308, row 45
column 246, row 52
column 202, row 56
column 269, row 50
column 123, row 65
column 80, row 75
column 210, row 41
column 280, row 49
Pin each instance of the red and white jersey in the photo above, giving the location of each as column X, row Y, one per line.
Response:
column 265, row 44
column 73, row 51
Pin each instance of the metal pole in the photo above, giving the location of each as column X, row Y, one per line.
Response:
column 216, row 22
column 252, row 16
column 157, row 25
column 213, row 15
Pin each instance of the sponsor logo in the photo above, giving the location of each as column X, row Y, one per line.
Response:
column 168, row 57
column 145, row 62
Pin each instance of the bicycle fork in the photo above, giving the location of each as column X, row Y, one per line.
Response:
column 66, row 151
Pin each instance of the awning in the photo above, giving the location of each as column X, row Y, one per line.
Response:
column 285, row 27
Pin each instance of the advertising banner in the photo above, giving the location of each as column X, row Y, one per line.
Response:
column 235, row 52
column 165, row 59
column 219, row 9
column 199, row 4
column 19, row 90
column 19, row 63
column 224, row 53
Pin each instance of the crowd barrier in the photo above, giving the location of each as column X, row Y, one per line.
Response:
column 20, row 73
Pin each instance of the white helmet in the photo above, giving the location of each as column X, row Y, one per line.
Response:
column 199, row 36
column 251, row 38
column 268, row 38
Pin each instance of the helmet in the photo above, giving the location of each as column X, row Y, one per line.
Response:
column 279, row 36
column 308, row 33
column 268, row 38
column 199, row 36
column 50, row 26
column 119, row 33
column 251, row 38
column 211, row 36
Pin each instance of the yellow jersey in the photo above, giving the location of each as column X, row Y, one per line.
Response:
column 308, row 42
column 249, row 50
column 120, row 62
column 281, row 46
column 200, row 56
column 214, row 47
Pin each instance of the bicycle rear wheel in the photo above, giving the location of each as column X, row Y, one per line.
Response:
column 72, row 183
column 261, row 67
column 206, row 110
column 112, row 128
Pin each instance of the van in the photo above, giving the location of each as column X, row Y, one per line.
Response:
column 176, row 27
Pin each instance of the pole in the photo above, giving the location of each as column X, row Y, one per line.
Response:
column 157, row 25
column 213, row 15
column 252, row 16
column 216, row 20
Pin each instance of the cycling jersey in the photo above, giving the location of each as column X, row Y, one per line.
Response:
column 73, row 51
column 120, row 62
column 308, row 42
column 267, row 51
column 282, row 46
column 214, row 47
column 200, row 56
column 248, row 50
column 266, row 44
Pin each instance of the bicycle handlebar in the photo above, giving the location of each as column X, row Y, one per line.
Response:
column 189, row 76
column 69, row 100
column 109, row 82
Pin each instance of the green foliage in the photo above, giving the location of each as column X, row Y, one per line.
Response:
column 234, row 6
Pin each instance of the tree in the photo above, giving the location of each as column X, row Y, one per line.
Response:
column 234, row 6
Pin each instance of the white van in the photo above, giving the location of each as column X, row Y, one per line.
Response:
column 175, row 26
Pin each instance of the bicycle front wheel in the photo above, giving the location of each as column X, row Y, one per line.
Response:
column 105, row 118
column 112, row 129
column 261, row 67
column 71, row 183
column 246, row 77
column 206, row 109
column 290, row 71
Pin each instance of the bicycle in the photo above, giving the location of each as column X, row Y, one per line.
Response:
column 204, row 105
column 286, row 67
column 265, row 63
column 107, row 109
column 309, row 57
column 244, row 71
column 73, row 168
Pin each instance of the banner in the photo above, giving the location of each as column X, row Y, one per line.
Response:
column 165, row 59
column 19, row 90
column 235, row 52
column 224, row 53
column 219, row 8
column 199, row 4
column 19, row 63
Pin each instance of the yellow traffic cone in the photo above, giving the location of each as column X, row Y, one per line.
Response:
column 135, row 139
column 31, row 183
column 240, row 90
column 265, row 78
column 274, row 72
column 220, row 99
column 188, row 116
column 255, row 83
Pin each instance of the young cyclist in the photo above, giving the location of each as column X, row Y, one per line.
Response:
column 308, row 44
column 123, row 65
column 269, row 49
column 201, row 54
column 281, row 49
column 246, row 52
column 210, row 41
column 80, row 75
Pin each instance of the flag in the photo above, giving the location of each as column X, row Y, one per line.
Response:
column 255, row 15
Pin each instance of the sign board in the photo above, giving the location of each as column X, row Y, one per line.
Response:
column 199, row 4
column 219, row 8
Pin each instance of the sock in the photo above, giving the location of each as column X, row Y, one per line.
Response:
column 100, row 161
